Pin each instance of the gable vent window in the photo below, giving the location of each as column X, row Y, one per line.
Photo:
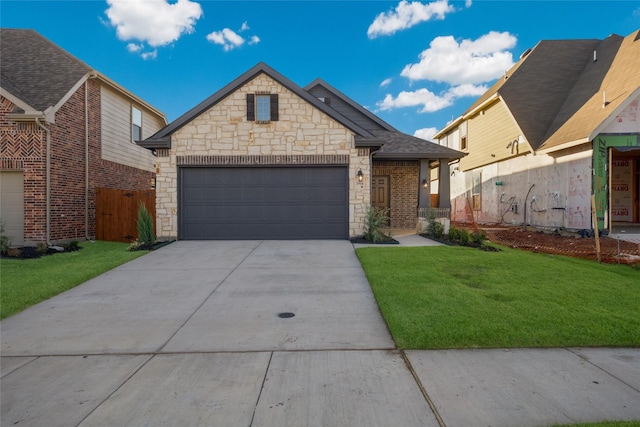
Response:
column 262, row 107
column 136, row 124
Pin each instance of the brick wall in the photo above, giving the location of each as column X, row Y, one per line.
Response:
column 24, row 147
column 404, row 179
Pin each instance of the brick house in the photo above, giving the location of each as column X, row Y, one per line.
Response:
column 65, row 130
column 265, row 158
column 544, row 139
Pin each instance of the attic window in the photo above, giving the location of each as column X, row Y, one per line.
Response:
column 136, row 124
column 262, row 107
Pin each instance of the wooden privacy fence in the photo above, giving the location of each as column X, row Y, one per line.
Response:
column 117, row 213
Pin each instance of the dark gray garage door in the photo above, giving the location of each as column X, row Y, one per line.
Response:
column 263, row 203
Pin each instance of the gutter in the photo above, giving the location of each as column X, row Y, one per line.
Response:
column 47, row 181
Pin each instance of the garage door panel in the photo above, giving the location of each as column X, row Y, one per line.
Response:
column 263, row 203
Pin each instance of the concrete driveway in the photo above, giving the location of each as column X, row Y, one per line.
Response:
column 192, row 335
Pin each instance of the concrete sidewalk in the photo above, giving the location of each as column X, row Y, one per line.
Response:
column 253, row 333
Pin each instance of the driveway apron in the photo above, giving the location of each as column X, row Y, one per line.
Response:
column 263, row 333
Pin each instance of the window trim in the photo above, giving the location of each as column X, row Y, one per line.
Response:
column 135, row 125
column 252, row 107
column 476, row 190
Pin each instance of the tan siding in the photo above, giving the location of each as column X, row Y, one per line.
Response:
column 150, row 123
column 117, row 145
column 488, row 135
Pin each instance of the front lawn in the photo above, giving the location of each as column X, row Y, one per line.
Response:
column 25, row 282
column 457, row 297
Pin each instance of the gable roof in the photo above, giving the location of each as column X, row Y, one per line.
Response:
column 604, row 89
column 161, row 139
column 554, row 92
column 369, row 130
column 35, row 70
column 395, row 144
column 38, row 76
column 346, row 106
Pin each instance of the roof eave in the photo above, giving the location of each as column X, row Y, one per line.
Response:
column 450, row 126
column 417, row 156
column 563, row 146
column 153, row 144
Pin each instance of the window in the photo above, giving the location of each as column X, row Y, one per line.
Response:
column 262, row 107
column 476, row 191
column 136, row 124
column 463, row 135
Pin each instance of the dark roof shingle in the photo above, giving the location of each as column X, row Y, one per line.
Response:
column 35, row 70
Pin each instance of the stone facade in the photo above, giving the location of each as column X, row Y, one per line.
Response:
column 302, row 134
column 404, row 177
column 23, row 147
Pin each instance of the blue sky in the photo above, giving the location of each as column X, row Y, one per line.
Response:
column 415, row 64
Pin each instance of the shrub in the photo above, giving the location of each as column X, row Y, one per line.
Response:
column 71, row 246
column 436, row 229
column 375, row 220
column 5, row 241
column 146, row 237
column 42, row 248
column 478, row 237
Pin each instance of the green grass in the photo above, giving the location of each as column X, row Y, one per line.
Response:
column 25, row 282
column 457, row 297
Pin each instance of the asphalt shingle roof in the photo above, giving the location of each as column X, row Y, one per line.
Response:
column 555, row 92
column 370, row 130
column 35, row 70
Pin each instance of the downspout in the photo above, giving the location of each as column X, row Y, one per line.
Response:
column 47, row 182
column 86, row 160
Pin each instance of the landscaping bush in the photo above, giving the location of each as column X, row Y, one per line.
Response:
column 5, row 241
column 375, row 220
column 436, row 228
column 146, row 238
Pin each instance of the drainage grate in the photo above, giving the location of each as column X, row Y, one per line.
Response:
column 285, row 315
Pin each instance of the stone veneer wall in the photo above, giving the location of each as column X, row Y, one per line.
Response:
column 404, row 179
column 223, row 130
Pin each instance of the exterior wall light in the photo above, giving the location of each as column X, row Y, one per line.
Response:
column 360, row 176
column 425, row 183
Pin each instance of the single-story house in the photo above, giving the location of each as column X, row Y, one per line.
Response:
column 264, row 158
column 562, row 125
column 65, row 130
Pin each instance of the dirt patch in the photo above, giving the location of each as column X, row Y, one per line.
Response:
column 612, row 250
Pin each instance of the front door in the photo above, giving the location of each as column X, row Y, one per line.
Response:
column 380, row 192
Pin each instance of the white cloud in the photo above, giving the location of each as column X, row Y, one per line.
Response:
column 386, row 82
column 227, row 38
column 427, row 100
column 150, row 55
column 406, row 15
column 470, row 61
column 467, row 90
column 230, row 40
column 425, row 133
column 134, row 48
column 156, row 22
